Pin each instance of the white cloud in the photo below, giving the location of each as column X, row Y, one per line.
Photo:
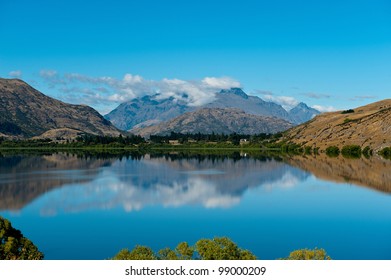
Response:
column 220, row 83
column 113, row 90
column 287, row 181
column 109, row 193
column 194, row 93
column 48, row 73
column 131, row 80
column 287, row 102
column 363, row 97
column 15, row 74
column 322, row 108
column 52, row 78
column 315, row 95
column 124, row 96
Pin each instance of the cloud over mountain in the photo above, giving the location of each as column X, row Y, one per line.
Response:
column 322, row 108
column 287, row 102
column 104, row 91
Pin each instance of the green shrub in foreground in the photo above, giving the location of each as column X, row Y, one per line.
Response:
column 307, row 254
column 14, row 246
column 218, row 248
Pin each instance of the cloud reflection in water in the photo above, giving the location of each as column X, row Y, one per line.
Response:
column 134, row 185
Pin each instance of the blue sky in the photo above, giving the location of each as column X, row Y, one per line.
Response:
column 329, row 54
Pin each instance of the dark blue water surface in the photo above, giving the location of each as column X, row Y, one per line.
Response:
column 88, row 207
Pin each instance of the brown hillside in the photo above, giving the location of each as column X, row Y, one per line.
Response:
column 217, row 120
column 368, row 125
column 25, row 112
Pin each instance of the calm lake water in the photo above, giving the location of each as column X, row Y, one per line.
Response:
column 90, row 207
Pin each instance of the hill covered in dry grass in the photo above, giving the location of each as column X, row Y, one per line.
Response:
column 369, row 125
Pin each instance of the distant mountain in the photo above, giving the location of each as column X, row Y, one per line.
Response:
column 26, row 112
column 151, row 110
column 237, row 98
column 302, row 113
column 365, row 126
column 209, row 120
column 146, row 111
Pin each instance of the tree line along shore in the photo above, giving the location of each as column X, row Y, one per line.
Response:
column 179, row 141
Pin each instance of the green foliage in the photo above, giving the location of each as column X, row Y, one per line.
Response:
column 119, row 141
column 167, row 254
column 307, row 254
column 332, row 151
column 347, row 120
column 86, row 140
column 14, row 246
column 247, row 255
column 138, row 253
column 385, row 153
column 221, row 248
column 218, row 248
column 199, row 138
column 156, row 141
column 347, row 111
column 351, row 151
column 184, row 251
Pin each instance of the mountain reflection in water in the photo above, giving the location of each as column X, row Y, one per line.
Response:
column 73, row 184
column 270, row 205
column 25, row 178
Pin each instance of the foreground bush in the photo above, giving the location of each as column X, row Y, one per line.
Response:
column 218, row 248
column 306, row 254
column 221, row 249
column 14, row 246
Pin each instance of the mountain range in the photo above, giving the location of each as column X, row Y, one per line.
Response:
column 216, row 120
column 152, row 109
column 25, row 112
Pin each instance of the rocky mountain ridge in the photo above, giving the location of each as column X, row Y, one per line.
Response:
column 216, row 120
column 151, row 109
column 25, row 112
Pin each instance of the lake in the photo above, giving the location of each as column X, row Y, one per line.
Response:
column 89, row 206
